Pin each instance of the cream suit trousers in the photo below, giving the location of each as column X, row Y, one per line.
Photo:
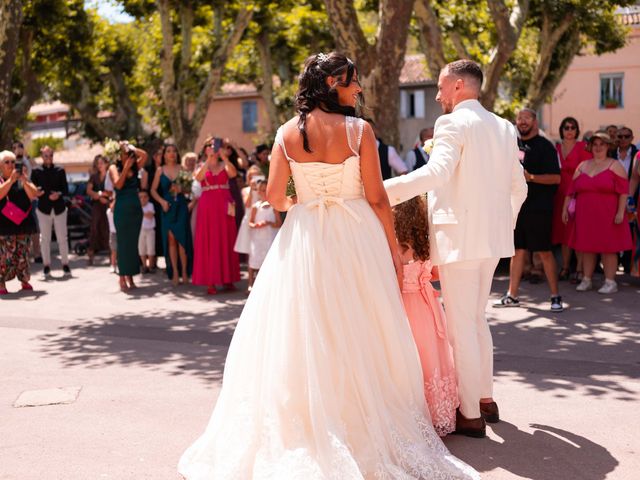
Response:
column 59, row 223
column 465, row 288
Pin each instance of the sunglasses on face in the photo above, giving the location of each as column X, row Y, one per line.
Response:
column 624, row 136
column 569, row 127
column 47, row 156
column 9, row 162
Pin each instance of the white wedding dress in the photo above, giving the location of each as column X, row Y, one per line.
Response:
column 322, row 379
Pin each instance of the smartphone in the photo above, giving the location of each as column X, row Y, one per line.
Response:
column 217, row 144
column 19, row 166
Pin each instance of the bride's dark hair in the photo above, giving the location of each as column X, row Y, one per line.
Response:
column 313, row 91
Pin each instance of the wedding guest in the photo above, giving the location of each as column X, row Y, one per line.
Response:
column 571, row 153
column 189, row 164
column 147, row 239
column 176, row 231
column 533, row 226
column 16, row 223
column 151, row 168
column 390, row 162
column 215, row 262
column 52, row 210
column 236, row 183
column 261, row 157
column 21, row 156
column 127, row 212
column 600, row 188
column 99, row 228
column 612, row 131
column 113, row 239
column 417, row 157
column 249, row 196
column 625, row 153
column 264, row 223
column 426, row 315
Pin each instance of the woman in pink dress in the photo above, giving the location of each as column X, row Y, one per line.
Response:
column 426, row 315
column 215, row 262
column 600, row 188
column 571, row 153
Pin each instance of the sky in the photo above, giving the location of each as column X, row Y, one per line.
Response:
column 109, row 9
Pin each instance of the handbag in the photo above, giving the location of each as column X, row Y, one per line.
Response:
column 15, row 213
column 571, row 208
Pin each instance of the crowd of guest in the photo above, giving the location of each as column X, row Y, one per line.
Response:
column 206, row 212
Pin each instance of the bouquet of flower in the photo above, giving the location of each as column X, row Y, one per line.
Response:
column 112, row 149
column 183, row 182
column 428, row 146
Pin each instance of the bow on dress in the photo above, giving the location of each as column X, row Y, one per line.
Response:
column 323, row 202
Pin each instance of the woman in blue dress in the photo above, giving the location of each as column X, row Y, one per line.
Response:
column 176, row 230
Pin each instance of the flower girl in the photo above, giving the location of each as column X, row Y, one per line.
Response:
column 426, row 315
column 264, row 223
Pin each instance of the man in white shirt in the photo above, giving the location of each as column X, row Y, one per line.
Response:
column 390, row 161
column 417, row 157
column 625, row 153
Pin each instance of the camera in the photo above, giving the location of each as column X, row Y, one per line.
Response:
column 19, row 167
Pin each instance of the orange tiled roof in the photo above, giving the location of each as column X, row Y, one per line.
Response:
column 415, row 70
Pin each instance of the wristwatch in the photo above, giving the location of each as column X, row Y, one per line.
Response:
column 531, row 177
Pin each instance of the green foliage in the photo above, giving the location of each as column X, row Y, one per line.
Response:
column 37, row 144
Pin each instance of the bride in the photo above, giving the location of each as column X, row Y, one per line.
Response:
column 322, row 379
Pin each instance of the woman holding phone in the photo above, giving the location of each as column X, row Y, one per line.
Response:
column 214, row 260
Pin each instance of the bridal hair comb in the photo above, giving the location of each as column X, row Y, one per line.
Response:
column 322, row 57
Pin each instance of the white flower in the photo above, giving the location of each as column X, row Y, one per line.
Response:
column 111, row 149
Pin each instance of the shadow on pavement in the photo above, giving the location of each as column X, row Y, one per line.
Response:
column 546, row 453
column 594, row 344
column 183, row 342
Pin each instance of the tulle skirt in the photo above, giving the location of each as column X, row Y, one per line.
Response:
column 322, row 379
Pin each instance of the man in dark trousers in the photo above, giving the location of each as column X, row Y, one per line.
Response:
column 533, row 227
column 625, row 153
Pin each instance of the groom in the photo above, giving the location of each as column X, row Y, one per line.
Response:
column 476, row 186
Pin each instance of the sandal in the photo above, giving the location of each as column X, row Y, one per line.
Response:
column 211, row 291
column 564, row 275
column 27, row 286
column 575, row 277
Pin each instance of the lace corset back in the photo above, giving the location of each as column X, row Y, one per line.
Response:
column 316, row 180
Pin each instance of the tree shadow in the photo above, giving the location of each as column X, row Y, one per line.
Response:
column 548, row 452
column 593, row 344
column 183, row 342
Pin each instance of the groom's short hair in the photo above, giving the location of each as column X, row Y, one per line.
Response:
column 468, row 70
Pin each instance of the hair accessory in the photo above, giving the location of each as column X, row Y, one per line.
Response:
column 322, row 57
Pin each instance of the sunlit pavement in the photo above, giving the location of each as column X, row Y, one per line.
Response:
column 123, row 383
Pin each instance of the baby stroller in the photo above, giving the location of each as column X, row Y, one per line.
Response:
column 78, row 219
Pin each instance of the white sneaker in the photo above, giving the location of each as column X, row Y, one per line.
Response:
column 610, row 286
column 584, row 285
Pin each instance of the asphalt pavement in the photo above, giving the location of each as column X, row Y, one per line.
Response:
column 98, row 384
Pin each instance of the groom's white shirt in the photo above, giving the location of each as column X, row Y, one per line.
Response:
column 475, row 185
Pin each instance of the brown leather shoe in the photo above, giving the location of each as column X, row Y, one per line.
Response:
column 471, row 427
column 489, row 412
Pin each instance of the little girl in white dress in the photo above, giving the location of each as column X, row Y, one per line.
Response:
column 264, row 223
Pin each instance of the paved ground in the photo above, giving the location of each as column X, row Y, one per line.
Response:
column 142, row 372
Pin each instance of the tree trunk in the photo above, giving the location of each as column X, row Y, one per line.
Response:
column 185, row 116
column 379, row 65
column 10, row 20
column 430, row 37
column 266, row 89
column 128, row 119
column 17, row 113
column 509, row 27
column 550, row 36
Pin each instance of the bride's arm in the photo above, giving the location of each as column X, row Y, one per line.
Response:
column 376, row 195
column 279, row 173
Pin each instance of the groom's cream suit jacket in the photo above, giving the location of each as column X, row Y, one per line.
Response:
column 475, row 185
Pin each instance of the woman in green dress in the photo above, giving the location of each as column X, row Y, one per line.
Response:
column 127, row 213
column 176, row 229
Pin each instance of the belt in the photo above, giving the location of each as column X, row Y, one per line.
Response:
column 322, row 203
column 206, row 188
